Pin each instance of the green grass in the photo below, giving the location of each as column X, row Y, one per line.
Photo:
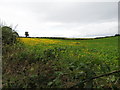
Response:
column 62, row 64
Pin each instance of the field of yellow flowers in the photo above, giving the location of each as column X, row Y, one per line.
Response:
column 34, row 41
column 59, row 63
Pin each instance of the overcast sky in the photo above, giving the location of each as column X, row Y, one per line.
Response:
column 62, row 18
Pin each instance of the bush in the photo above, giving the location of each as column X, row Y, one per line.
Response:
column 9, row 36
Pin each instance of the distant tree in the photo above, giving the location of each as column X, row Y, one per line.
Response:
column 26, row 34
column 117, row 34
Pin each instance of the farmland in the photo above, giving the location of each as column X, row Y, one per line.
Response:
column 58, row 63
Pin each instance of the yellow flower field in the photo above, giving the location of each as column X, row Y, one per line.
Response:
column 34, row 41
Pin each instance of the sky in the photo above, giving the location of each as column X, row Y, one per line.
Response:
column 65, row 18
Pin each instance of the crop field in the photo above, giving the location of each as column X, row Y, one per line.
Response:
column 58, row 63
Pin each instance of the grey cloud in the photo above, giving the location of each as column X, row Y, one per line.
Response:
column 75, row 12
column 64, row 19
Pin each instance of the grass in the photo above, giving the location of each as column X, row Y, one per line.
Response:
column 57, row 63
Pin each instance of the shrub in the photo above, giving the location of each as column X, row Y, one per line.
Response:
column 9, row 36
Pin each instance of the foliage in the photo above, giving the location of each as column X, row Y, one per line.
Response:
column 26, row 34
column 8, row 35
column 55, row 63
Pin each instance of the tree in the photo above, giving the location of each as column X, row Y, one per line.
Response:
column 117, row 34
column 26, row 34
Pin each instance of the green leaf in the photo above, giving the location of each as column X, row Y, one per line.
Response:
column 50, row 83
